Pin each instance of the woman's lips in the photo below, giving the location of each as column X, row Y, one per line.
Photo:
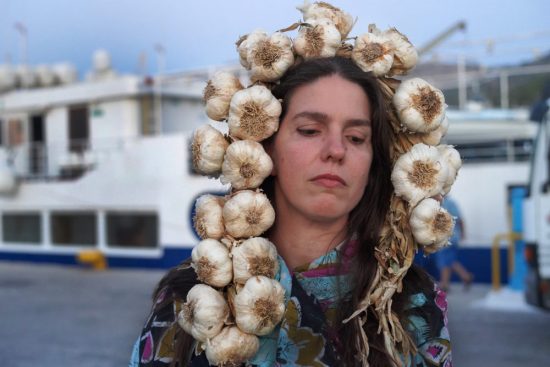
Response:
column 329, row 181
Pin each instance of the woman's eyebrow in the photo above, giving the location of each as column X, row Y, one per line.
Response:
column 323, row 118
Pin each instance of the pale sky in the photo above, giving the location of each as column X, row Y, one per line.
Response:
column 197, row 34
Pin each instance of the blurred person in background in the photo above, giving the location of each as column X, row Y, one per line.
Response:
column 447, row 259
column 540, row 108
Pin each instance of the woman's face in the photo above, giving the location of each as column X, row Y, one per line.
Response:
column 322, row 152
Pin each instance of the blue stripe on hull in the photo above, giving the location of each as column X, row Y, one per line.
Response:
column 477, row 260
column 171, row 257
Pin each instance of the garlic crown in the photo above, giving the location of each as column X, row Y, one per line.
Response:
column 217, row 94
column 318, row 38
column 420, row 106
column 245, row 165
column 255, row 256
column 419, row 173
column 208, row 149
column 248, row 214
column 211, row 261
column 259, row 306
column 244, row 43
column 431, row 225
column 320, row 10
column 254, row 114
column 231, row 347
column 204, row 313
column 374, row 53
column 208, row 220
column 269, row 57
column 451, row 157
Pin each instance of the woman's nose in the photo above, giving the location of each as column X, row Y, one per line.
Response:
column 334, row 147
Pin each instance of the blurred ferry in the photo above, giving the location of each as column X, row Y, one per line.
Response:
column 101, row 164
column 104, row 164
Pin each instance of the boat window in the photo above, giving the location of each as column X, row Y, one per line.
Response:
column 132, row 229
column 73, row 228
column 496, row 151
column 15, row 132
column 147, row 115
column 22, row 228
column 79, row 131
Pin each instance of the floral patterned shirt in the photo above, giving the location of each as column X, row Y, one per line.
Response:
column 304, row 336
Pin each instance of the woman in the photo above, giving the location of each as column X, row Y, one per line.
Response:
column 331, row 190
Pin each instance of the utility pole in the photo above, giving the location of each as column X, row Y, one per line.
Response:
column 161, row 53
column 22, row 30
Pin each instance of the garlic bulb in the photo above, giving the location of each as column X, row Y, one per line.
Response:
column 248, row 214
column 208, row 220
column 404, row 53
column 255, row 256
column 204, row 313
column 321, row 10
column 243, row 45
column 208, row 149
column 453, row 161
column 434, row 137
column 211, row 261
column 231, row 347
column 245, row 165
column 319, row 38
column 217, row 94
column 420, row 106
column 431, row 225
column 269, row 57
column 373, row 52
column 259, row 306
column 254, row 114
column 420, row 173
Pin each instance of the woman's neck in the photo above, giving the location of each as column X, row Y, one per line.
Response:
column 299, row 240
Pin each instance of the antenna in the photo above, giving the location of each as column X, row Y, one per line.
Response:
column 23, row 32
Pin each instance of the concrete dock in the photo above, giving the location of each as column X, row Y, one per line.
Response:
column 53, row 315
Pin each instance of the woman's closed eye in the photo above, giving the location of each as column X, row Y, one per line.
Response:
column 308, row 132
column 356, row 139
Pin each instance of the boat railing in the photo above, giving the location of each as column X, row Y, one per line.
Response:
column 62, row 160
column 497, row 151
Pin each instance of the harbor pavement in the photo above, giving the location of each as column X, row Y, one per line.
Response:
column 52, row 316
